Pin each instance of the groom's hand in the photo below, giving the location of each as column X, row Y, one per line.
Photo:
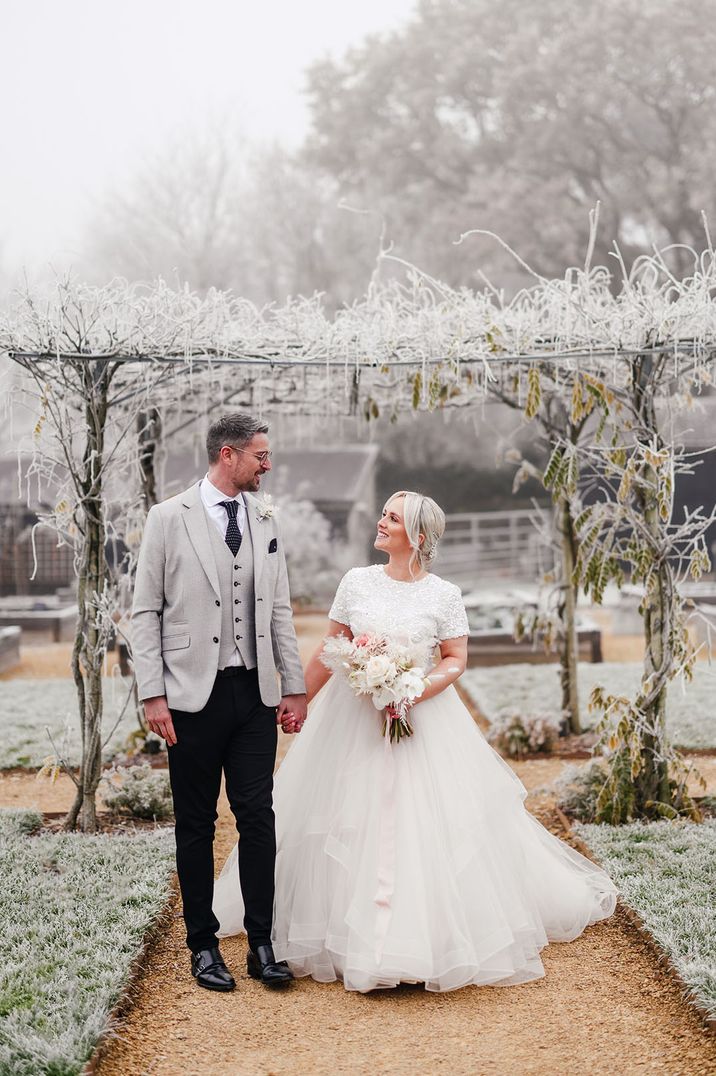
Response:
column 159, row 719
column 291, row 713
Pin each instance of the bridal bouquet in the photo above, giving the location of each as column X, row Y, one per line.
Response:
column 383, row 669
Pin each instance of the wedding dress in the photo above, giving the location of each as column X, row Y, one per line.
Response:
column 415, row 861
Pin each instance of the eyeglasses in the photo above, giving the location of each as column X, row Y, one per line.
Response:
column 262, row 457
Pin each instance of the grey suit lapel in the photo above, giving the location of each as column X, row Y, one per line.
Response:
column 197, row 524
column 258, row 534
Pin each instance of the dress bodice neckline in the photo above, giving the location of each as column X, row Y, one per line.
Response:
column 402, row 582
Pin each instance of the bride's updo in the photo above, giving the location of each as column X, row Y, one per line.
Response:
column 421, row 515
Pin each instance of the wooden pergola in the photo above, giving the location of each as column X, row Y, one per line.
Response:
column 112, row 370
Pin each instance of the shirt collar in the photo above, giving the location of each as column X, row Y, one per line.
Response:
column 211, row 495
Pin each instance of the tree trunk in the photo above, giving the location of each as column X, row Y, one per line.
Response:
column 91, row 637
column 149, row 431
column 652, row 783
column 568, row 615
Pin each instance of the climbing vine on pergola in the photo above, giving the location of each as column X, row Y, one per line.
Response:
column 112, row 370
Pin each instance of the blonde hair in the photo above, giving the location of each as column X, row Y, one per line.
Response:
column 421, row 515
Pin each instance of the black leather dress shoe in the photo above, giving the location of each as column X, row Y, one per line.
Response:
column 263, row 965
column 210, row 971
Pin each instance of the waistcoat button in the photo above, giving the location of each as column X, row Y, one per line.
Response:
column 216, row 638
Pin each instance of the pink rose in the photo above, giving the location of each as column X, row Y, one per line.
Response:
column 362, row 640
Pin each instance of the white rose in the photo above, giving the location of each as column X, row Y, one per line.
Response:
column 379, row 669
column 358, row 681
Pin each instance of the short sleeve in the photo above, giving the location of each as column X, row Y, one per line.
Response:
column 452, row 618
column 340, row 610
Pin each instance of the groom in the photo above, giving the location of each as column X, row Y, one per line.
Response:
column 211, row 626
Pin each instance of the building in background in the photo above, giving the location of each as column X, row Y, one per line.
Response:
column 339, row 480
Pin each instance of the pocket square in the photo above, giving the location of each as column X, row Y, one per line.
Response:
column 273, row 545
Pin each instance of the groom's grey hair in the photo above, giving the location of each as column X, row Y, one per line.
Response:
column 236, row 429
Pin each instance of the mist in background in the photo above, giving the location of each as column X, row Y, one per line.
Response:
column 275, row 149
column 220, row 144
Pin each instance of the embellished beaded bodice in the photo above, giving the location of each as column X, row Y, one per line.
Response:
column 421, row 614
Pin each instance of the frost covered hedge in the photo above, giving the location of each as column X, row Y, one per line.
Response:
column 666, row 872
column 532, row 689
column 73, row 913
column 27, row 706
column 140, row 791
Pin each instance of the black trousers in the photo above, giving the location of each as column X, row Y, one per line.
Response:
column 235, row 733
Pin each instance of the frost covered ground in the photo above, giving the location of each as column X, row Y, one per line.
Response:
column 28, row 706
column 73, row 913
column 666, row 872
column 532, row 689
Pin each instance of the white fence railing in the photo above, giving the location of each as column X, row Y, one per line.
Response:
column 503, row 545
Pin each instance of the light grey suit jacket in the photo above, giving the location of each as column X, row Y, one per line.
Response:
column 176, row 614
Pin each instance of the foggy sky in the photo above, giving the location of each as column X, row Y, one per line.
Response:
column 88, row 87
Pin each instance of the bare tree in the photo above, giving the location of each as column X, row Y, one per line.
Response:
column 518, row 117
column 210, row 210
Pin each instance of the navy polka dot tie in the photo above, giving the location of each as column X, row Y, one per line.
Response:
column 233, row 534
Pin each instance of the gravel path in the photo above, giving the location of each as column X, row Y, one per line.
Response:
column 604, row 1006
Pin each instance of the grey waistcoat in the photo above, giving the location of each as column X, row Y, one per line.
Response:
column 236, row 601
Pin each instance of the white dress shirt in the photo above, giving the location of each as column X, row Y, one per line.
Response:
column 212, row 498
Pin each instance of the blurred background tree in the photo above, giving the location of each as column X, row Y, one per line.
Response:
column 518, row 117
column 515, row 117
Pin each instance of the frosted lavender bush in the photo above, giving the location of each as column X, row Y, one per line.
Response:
column 666, row 872
column 74, row 911
column 520, row 734
column 141, row 791
column 524, row 689
column 29, row 707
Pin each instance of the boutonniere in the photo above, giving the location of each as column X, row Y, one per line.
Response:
column 265, row 508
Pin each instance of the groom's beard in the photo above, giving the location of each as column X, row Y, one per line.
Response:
column 253, row 483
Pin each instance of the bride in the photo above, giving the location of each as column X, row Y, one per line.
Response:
column 415, row 861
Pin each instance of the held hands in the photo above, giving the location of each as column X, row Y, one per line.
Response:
column 159, row 719
column 291, row 713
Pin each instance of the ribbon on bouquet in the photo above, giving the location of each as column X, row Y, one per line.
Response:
column 386, row 848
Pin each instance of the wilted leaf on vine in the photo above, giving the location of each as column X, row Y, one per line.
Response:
column 624, row 486
column 493, row 342
column 417, row 390
column 553, row 466
column 534, row 392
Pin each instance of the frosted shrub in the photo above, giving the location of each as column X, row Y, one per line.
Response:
column 142, row 792
column 516, row 735
column 578, row 789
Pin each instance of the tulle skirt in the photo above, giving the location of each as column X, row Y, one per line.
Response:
column 413, row 862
